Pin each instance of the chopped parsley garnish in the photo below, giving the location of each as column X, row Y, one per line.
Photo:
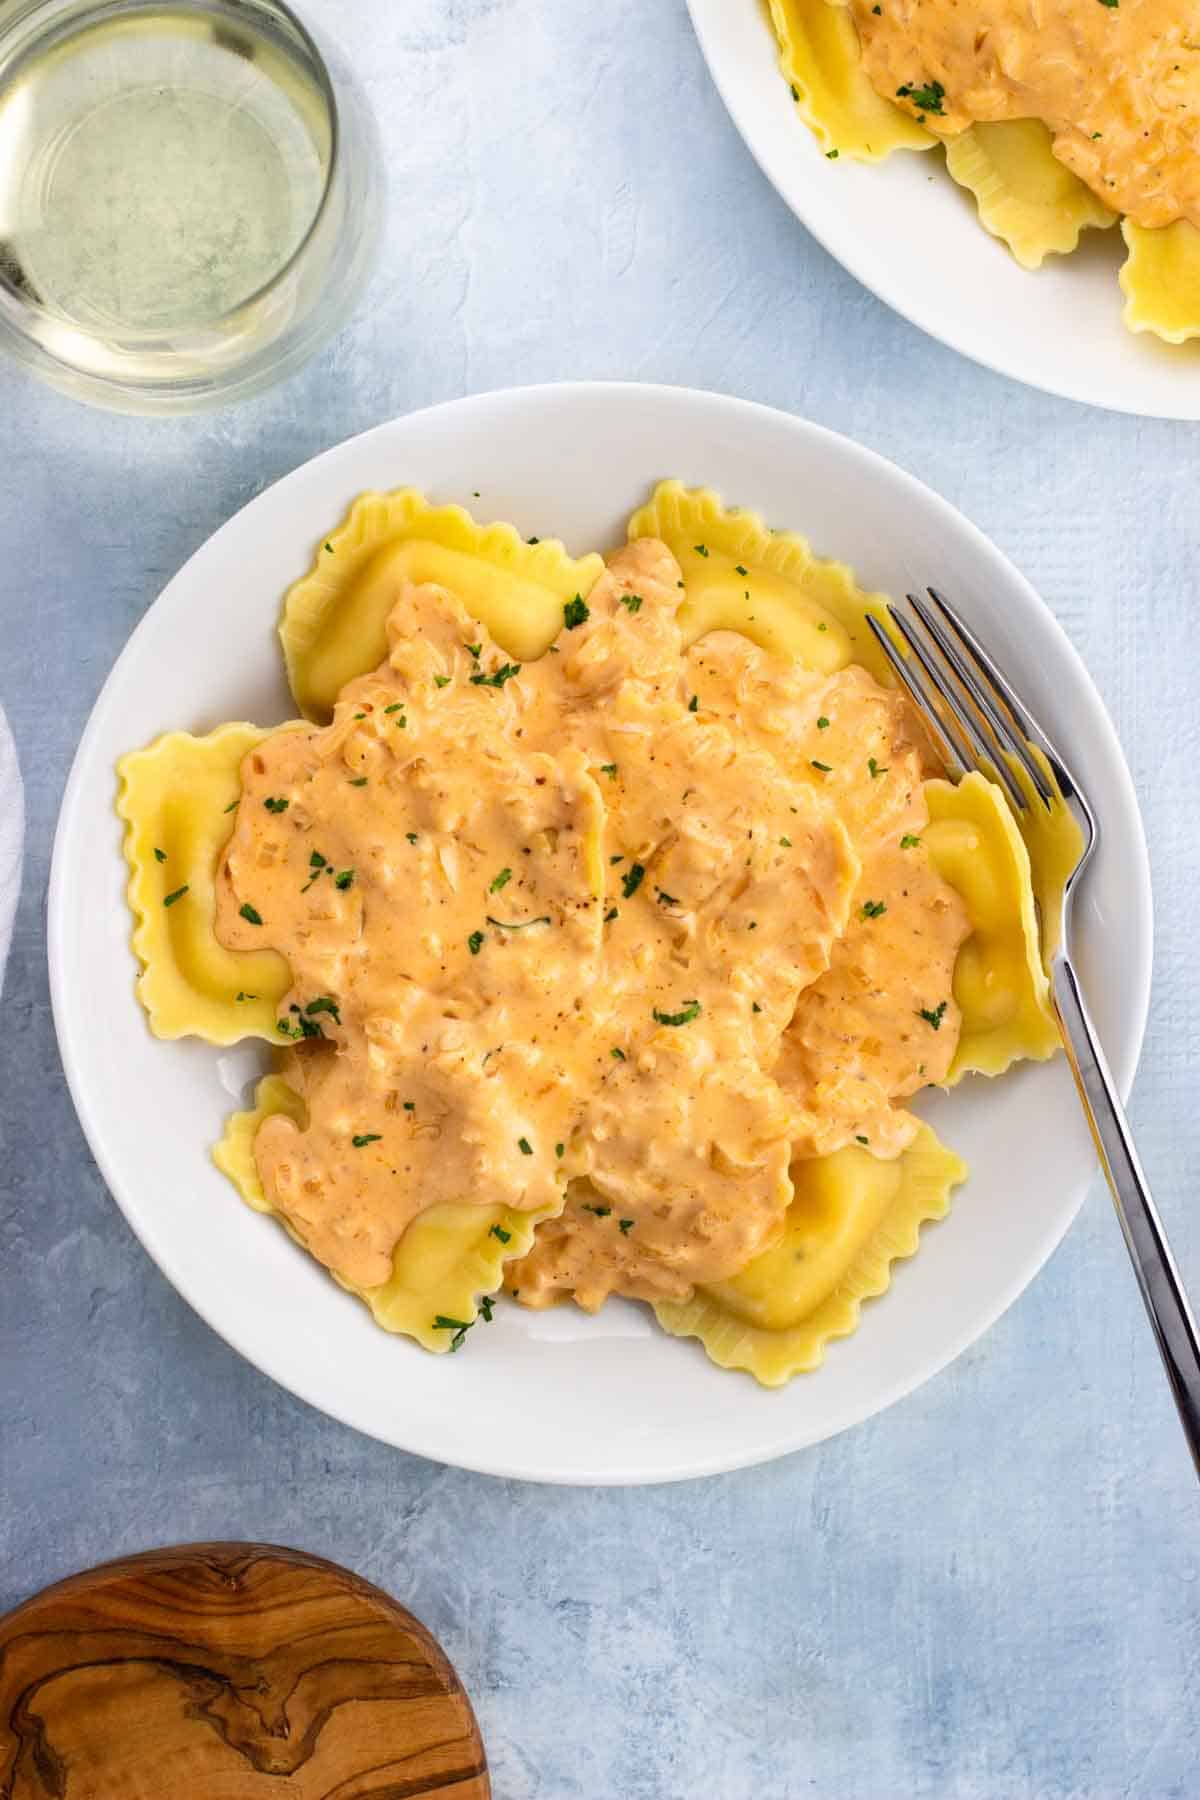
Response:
column 410, row 1106
column 700, row 549
column 498, row 1231
column 575, row 612
column 325, row 1003
column 475, row 649
column 533, row 540
column 609, row 769
column 441, row 681
column 601, row 1212
column 822, row 723
column 499, row 881
column 241, row 997
column 611, row 914
column 822, row 626
column 170, row 899
column 303, row 1027
column 831, row 156
column 625, row 1226
column 785, row 843
column 825, row 768
column 694, row 703
column 929, row 99
column 364, row 1138
column 343, row 878
column 691, row 1010
column 875, row 768
column 517, row 924
column 232, row 804
column 665, row 899
column 359, row 781
column 619, row 857
column 874, row 909
column 617, row 1053
column 459, row 1327
column 740, row 570
column 558, row 1151
column 631, row 881
column 160, row 855
column 251, row 914
column 633, row 602
column 1110, row 2
column 933, row 1017
column 795, row 91
column 275, row 804
column 475, row 943
column 859, row 1139
column 524, row 1146
column 756, row 1007
column 329, row 546
column 411, row 836
column 909, row 841
column 498, row 677
column 316, row 860
column 485, row 1307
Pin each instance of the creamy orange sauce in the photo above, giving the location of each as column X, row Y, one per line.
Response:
column 1118, row 86
column 629, row 925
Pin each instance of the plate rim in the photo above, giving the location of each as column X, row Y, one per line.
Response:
column 701, row 14
column 1125, row 1058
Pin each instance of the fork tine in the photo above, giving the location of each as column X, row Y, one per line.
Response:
column 985, row 752
column 1013, row 726
column 955, row 751
column 979, row 750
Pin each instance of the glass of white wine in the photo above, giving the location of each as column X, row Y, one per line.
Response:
column 190, row 193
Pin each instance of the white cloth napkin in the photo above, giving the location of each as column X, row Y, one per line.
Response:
column 12, row 835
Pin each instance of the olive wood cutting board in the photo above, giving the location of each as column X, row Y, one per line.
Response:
column 229, row 1672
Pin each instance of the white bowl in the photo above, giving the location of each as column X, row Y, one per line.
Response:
column 909, row 233
column 558, row 1396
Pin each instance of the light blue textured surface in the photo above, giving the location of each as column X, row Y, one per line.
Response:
column 989, row 1593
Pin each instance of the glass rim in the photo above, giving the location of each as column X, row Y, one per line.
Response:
column 21, row 303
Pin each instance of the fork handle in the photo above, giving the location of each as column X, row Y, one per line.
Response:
column 1157, row 1276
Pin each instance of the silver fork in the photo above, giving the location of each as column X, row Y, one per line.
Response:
column 979, row 723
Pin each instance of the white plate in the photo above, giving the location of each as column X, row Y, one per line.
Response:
column 910, row 234
column 557, row 1396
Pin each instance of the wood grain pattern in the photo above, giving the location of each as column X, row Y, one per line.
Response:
column 229, row 1672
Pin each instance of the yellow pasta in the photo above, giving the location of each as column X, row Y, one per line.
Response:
column 851, row 1217
column 999, row 979
column 1161, row 280
column 1025, row 196
column 449, row 1257
column 822, row 64
column 333, row 620
column 176, row 798
column 741, row 576
column 852, row 1214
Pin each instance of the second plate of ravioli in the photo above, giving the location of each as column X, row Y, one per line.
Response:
column 906, row 231
column 559, row 1396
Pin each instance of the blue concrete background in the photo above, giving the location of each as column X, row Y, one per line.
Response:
column 990, row 1593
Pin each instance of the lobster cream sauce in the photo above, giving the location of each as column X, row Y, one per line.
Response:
column 1117, row 82
column 621, row 932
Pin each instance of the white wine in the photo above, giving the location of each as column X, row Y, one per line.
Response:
column 161, row 166
column 157, row 171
